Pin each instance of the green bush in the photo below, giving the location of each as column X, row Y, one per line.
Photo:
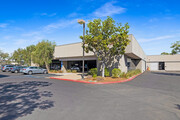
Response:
column 55, row 71
column 132, row 73
column 116, row 73
column 106, row 72
column 68, row 71
column 74, row 71
column 93, row 72
column 123, row 75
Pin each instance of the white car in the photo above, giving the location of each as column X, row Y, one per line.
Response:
column 34, row 70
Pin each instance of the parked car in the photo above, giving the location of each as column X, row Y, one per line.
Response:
column 1, row 67
column 34, row 70
column 75, row 68
column 7, row 68
column 17, row 69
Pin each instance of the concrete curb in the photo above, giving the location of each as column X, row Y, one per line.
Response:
column 80, row 81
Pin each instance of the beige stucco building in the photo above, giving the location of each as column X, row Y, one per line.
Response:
column 163, row 62
column 70, row 55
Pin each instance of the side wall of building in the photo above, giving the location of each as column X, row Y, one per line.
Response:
column 171, row 62
column 172, row 66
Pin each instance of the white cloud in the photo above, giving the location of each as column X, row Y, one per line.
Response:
column 31, row 34
column 43, row 14
column 159, row 38
column 153, row 20
column 20, row 42
column 108, row 9
column 3, row 25
column 60, row 24
column 49, row 15
column 7, row 37
column 74, row 14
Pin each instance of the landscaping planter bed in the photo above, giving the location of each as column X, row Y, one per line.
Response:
column 106, row 81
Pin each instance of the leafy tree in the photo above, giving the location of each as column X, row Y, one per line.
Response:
column 24, row 56
column 176, row 47
column 175, row 50
column 4, row 57
column 43, row 53
column 27, row 54
column 106, row 39
column 165, row 53
column 18, row 56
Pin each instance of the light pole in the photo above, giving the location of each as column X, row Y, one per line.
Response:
column 82, row 22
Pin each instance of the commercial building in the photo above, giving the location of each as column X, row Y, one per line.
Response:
column 70, row 56
column 163, row 62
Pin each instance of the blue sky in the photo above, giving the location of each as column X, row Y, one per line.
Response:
column 154, row 23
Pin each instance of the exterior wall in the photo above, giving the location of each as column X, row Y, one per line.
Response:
column 153, row 66
column 134, row 50
column 172, row 62
column 172, row 66
column 123, row 64
column 141, row 65
column 156, row 58
column 70, row 50
column 133, row 53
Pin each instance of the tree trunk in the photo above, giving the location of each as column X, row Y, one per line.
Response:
column 47, row 66
column 103, row 68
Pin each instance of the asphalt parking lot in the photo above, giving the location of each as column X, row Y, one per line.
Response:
column 21, row 75
column 150, row 96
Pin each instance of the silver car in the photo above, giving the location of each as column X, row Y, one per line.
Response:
column 34, row 70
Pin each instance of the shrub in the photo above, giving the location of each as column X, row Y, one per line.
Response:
column 98, row 78
column 106, row 72
column 68, row 71
column 55, row 71
column 74, row 71
column 123, row 75
column 93, row 72
column 133, row 72
column 116, row 73
column 138, row 71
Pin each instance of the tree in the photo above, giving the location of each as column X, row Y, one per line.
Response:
column 4, row 57
column 106, row 39
column 175, row 50
column 165, row 53
column 18, row 56
column 27, row 54
column 24, row 56
column 43, row 53
column 176, row 47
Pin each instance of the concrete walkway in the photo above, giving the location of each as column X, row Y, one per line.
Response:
column 73, row 76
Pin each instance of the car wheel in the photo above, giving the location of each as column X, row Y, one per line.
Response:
column 30, row 73
column 16, row 71
column 45, row 72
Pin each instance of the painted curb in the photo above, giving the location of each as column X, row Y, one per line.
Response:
column 80, row 81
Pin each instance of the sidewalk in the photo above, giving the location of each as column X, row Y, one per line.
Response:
column 74, row 76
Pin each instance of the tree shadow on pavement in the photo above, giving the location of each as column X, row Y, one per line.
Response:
column 166, row 73
column 1, row 76
column 177, row 106
column 21, row 99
